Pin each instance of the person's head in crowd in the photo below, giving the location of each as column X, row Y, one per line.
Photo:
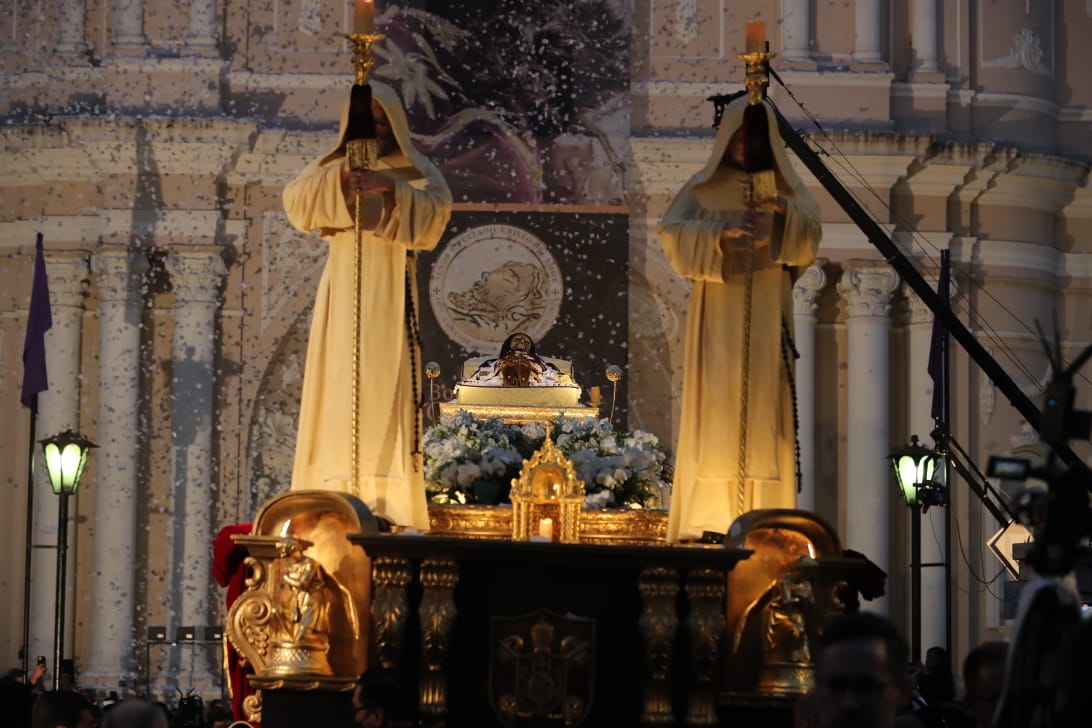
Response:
column 220, row 715
column 16, row 699
column 983, row 679
column 937, row 683
column 66, row 679
column 135, row 713
column 936, row 660
column 382, row 700
column 861, row 679
column 63, row 709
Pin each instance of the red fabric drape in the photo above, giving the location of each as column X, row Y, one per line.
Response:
column 229, row 572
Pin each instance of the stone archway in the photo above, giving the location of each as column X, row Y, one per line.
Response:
column 275, row 415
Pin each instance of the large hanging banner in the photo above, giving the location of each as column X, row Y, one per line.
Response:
column 560, row 277
column 516, row 102
column 525, row 109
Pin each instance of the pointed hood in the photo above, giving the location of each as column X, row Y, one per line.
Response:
column 396, row 117
column 788, row 181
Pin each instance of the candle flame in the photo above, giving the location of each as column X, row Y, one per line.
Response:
column 756, row 36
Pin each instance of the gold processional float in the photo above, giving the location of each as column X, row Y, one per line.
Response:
column 328, row 594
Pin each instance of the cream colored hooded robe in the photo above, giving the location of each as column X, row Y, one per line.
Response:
column 387, row 479
column 705, row 492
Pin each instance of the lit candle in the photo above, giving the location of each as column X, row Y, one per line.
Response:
column 594, row 395
column 546, row 528
column 364, row 17
column 756, row 36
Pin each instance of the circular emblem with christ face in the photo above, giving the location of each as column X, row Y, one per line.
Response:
column 491, row 281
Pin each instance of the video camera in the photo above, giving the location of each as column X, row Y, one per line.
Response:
column 1060, row 517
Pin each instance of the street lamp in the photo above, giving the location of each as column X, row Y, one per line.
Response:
column 916, row 468
column 65, row 458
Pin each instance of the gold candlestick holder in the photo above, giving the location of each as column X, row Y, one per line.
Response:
column 758, row 74
column 362, row 54
column 764, row 183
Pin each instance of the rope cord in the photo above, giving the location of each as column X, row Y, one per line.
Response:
column 413, row 336
column 745, row 376
column 355, row 428
column 788, row 346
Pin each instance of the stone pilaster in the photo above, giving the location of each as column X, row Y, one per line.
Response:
column 796, row 30
column 923, row 34
column 867, row 293
column 201, row 39
column 129, row 39
column 112, row 656
column 196, row 277
column 866, row 33
column 71, row 41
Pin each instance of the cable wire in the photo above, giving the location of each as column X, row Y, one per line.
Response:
column 841, row 160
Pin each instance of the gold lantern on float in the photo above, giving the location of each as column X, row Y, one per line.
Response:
column 547, row 498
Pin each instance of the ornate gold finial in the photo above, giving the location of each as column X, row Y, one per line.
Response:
column 757, row 59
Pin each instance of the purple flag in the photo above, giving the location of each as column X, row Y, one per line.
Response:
column 39, row 321
column 938, row 347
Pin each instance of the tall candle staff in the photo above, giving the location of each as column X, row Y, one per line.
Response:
column 362, row 152
column 759, row 164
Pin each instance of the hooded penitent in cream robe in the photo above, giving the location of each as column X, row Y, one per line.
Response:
column 705, row 492
column 386, row 477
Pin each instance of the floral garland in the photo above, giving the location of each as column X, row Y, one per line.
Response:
column 473, row 460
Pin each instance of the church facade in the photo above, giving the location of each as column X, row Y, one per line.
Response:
column 149, row 143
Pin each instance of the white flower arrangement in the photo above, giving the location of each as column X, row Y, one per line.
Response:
column 471, row 460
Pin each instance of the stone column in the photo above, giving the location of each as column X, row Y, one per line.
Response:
column 924, row 29
column 804, row 296
column 920, row 422
column 866, row 32
column 113, row 656
column 796, row 30
column 867, row 292
column 196, row 277
column 58, row 410
column 72, row 41
column 129, row 37
column 201, row 39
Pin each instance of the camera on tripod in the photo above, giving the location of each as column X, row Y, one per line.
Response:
column 1059, row 517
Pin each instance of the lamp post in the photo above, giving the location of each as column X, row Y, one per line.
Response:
column 915, row 467
column 65, row 458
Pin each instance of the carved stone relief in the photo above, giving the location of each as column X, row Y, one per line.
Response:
column 1026, row 53
column 290, row 261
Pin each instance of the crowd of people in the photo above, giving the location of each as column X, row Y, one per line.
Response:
column 380, row 700
column 26, row 702
column 864, row 679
